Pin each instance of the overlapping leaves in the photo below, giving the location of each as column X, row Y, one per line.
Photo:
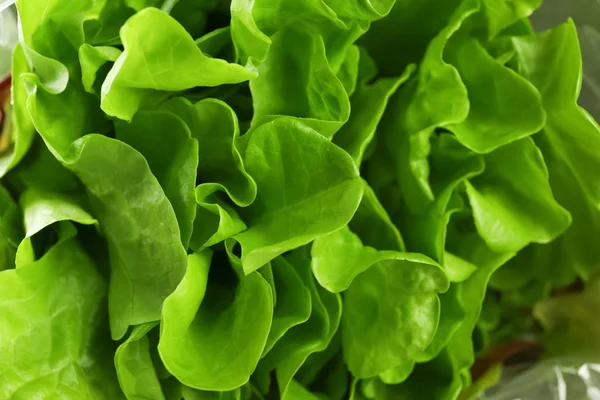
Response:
column 294, row 199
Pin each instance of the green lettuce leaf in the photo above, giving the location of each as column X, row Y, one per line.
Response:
column 214, row 125
column 173, row 162
column 569, row 141
column 451, row 164
column 314, row 335
column 42, row 208
column 326, row 190
column 504, row 107
column 254, row 23
column 59, row 296
column 320, row 199
column 399, row 294
column 11, row 229
column 146, row 254
column 448, row 372
column 500, row 15
column 320, row 99
column 208, row 322
column 512, row 200
column 373, row 225
column 94, row 61
column 135, row 370
column 144, row 71
column 293, row 301
column 135, row 215
column 369, row 103
column 435, row 98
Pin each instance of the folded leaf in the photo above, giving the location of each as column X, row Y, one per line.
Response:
column 453, row 311
column 391, row 312
column 504, row 107
column 298, row 392
column 512, row 201
column 570, row 143
column 145, row 69
column 41, row 209
column 102, row 23
column 215, row 221
column 411, row 26
column 293, row 306
column 172, row 155
column 136, row 373
column 500, row 15
column 436, row 97
column 397, row 374
column 146, row 255
column 373, row 225
column 314, row 335
column 338, row 258
column 11, row 230
column 451, row 165
column 214, row 125
column 307, row 187
column 93, row 60
column 255, row 22
column 444, row 376
column 368, row 104
column 319, row 98
column 61, row 295
column 348, row 71
column 317, row 363
column 221, row 168
column 213, row 333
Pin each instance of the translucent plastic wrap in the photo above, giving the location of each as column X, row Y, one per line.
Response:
column 556, row 379
column 5, row 4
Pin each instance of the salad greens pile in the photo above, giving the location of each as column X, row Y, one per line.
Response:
column 295, row 199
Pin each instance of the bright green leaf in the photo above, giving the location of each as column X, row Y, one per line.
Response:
column 307, row 187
